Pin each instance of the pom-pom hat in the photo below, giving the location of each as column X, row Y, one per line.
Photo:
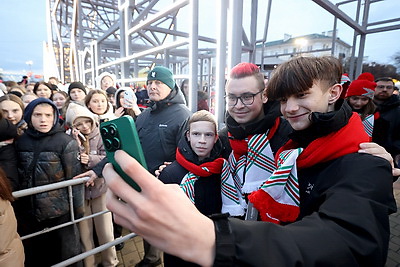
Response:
column 363, row 86
column 162, row 74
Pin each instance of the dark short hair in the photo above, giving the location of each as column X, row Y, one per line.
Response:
column 384, row 79
column 35, row 88
column 299, row 74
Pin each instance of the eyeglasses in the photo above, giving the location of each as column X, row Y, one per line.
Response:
column 389, row 87
column 247, row 99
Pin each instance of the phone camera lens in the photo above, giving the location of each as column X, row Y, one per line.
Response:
column 104, row 131
column 116, row 143
column 108, row 144
column 113, row 130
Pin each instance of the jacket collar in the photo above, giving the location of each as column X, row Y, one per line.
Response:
column 323, row 124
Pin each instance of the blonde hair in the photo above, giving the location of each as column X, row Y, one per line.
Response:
column 203, row 115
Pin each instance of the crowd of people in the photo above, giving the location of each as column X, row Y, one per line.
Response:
column 271, row 188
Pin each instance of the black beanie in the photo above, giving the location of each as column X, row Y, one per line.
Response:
column 75, row 85
column 111, row 90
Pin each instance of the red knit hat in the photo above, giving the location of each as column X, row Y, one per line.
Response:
column 363, row 86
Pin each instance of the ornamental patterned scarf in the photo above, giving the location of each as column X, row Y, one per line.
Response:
column 278, row 200
column 368, row 123
column 231, row 202
column 252, row 161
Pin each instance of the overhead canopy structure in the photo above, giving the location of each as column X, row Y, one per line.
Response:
column 126, row 37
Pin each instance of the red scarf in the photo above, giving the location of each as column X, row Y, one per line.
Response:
column 202, row 170
column 377, row 115
column 329, row 147
column 239, row 146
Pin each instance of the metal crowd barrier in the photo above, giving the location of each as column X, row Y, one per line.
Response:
column 69, row 184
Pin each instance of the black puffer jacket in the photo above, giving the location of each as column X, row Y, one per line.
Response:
column 160, row 128
column 56, row 161
column 387, row 126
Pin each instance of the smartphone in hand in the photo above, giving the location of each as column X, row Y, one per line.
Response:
column 121, row 134
column 128, row 99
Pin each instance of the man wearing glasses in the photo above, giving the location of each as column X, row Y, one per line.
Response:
column 388, row 123
column 253, row 132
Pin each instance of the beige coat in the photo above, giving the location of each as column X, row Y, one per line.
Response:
column 11, row 249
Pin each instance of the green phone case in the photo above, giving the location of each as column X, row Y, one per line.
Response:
column 121, row 134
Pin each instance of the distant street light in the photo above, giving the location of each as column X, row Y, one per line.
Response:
column 301, row 43
column 29, row 63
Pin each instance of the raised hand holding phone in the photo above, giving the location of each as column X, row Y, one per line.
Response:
column 129, row 99
column 121, row 134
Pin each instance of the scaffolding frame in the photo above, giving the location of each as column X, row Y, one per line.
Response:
column 87, row 37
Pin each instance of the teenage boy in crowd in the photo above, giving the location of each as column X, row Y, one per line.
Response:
column 320, row 228
column 47, row 155
column 197, row 169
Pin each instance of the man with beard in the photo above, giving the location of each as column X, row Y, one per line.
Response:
column 388, row 109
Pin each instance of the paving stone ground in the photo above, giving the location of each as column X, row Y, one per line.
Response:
column 393, row 258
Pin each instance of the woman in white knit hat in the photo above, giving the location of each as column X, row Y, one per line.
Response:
column 86, row 132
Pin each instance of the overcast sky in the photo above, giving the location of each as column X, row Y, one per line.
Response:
column 23, row 28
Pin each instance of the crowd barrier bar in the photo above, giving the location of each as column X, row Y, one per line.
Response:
column 69, row 184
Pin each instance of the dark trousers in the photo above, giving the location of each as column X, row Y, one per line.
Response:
column 53, row 247
column 151, row 253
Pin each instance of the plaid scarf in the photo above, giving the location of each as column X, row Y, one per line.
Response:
column 278, row 200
